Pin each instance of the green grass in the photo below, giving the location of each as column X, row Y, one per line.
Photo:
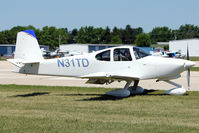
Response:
column 38, row 109
column 194, row 68
column 2, row 59
column 194, row 58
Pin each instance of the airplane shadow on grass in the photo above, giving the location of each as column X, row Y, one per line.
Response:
column 106, row 97
column 99, row 97
column 31, row 94
column 103, row 97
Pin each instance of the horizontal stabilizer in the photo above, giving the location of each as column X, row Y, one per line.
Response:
column 16, row 62
column 19, row 62
column 30, row 62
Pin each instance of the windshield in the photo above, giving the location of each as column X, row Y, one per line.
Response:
column 139, row 53
column 103, row 56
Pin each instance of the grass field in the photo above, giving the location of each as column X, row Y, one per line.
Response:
column 194, row 58
column 2, row 59
column 39, row 109
column 194, row 68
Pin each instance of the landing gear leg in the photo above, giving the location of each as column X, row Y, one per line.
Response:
column 128, row 83
column 121, row 93
column 135, row 89
column 179, row 90
column 135, row 84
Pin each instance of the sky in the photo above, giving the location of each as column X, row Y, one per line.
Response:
column 71, row 14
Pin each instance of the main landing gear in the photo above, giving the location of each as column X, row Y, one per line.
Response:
column 127, row 91
column 136, row 90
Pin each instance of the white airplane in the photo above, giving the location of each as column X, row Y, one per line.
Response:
column 126, row 63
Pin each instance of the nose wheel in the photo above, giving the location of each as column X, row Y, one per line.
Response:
column 179, row 90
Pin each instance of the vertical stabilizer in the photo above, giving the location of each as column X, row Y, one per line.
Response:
column 27, row 47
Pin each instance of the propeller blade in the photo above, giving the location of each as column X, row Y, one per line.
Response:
column 187, row 52
column 188, row 78
column 188, row 69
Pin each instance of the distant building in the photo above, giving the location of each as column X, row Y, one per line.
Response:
column 84, row 48
column 88, row 48
column 163, row 43
column 181, row 45
column 8, row 49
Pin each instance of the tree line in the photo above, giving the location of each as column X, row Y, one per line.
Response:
column 53, row 36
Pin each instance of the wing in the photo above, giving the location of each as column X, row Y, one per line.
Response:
column 104, row 77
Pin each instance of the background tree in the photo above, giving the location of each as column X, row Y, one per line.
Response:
column 9, row 36
column 3, row 38
column 106, row 37
column 143, row 40
column 187, row 31
column 116, row 40
column 166, row 47
column 84, row 35
column 129, row 34
column 72, row 36
column 116, row 36
column 98, row 36
column 161, row 34
column 50, row 36
column 91, row 35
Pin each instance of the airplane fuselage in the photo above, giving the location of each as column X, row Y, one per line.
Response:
column 76, row 66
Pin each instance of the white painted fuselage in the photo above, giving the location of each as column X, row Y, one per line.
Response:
column 77, row 66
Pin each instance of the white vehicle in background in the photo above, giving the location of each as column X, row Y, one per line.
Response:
column 102, row 67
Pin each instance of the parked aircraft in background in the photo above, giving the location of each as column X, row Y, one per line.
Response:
column 168, row 54
column 57, row 53
column 113, row 64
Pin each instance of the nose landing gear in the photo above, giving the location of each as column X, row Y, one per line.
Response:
column 179, row 90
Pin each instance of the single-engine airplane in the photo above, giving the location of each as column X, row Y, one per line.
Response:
column 126, row 63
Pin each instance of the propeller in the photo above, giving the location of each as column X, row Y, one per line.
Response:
column 188, row 69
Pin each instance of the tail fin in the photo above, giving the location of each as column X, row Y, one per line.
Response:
column 27, row 51
column 27, row 47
